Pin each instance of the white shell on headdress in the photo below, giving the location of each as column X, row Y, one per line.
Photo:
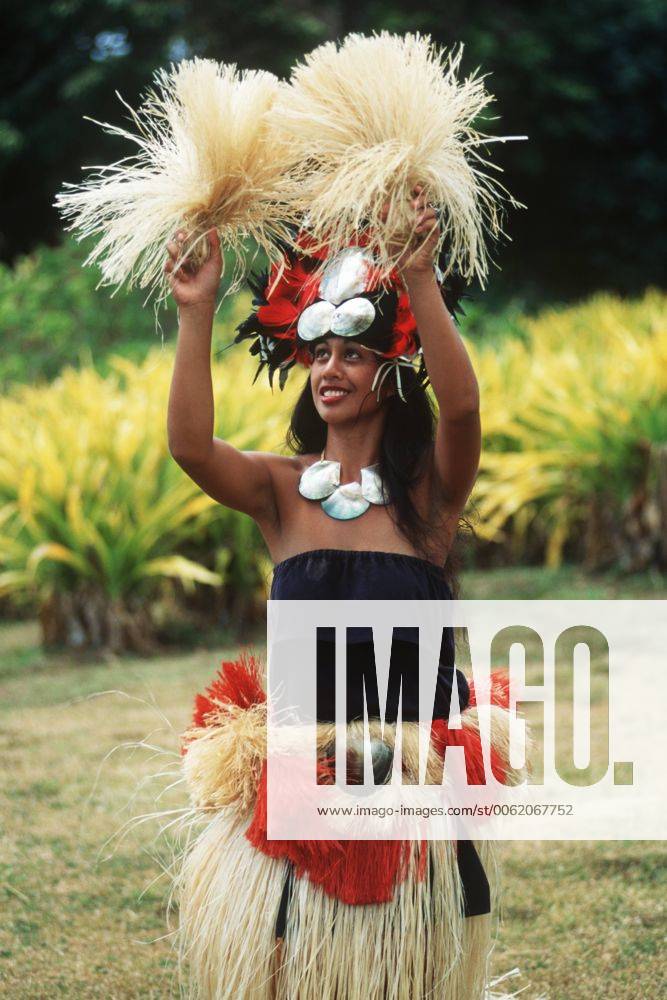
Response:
column 353, row 317
column 346, row 275
column 315, row 321
column 346, row 502
column 371, row 485
column 348, row 320
column 319, row 480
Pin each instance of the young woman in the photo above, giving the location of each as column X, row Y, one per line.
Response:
column 367, row 507
column 265, row 486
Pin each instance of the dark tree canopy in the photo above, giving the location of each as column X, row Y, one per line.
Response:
column 584, row 79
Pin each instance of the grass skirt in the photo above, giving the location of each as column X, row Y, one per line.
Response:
column 229, row 888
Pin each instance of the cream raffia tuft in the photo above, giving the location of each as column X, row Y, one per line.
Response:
column 208, row 156
column 373, row 118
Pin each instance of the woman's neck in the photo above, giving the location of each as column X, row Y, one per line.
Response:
column 355, row 448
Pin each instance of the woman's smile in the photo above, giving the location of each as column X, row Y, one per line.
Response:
column 331, row 394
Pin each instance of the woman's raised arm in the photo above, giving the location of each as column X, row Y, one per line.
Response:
column 458, row 436
column 241, row 480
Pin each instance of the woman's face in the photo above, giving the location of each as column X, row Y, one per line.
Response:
column 341, row 377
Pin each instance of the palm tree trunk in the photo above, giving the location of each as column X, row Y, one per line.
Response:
column 88, row 619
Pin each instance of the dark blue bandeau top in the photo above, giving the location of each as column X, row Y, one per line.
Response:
column 344, row 574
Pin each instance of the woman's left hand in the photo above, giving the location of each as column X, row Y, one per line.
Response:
column 420, row 257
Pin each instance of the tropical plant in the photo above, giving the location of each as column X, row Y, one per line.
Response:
column 570, row 414
column 95, row 515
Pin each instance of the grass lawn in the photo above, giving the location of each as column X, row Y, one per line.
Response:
column 581, row 920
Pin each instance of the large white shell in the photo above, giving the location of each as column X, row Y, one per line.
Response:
column 371, row 485
column 319, row 480
column 353, row 317
column 346, row 275
column 346, row 503
column 315, row 321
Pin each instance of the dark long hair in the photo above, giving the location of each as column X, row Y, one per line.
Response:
column 405, row 453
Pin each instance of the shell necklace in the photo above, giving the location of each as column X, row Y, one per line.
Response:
column 321, row 481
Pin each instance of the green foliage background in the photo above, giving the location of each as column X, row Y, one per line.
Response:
column 52, row 314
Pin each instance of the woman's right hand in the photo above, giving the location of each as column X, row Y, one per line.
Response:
column 191, row 285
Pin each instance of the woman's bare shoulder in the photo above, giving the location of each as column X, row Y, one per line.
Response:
column 284, row 472
column 286, row 465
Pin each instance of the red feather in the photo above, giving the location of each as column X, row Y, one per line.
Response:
column 280, row 312
column 239, row 682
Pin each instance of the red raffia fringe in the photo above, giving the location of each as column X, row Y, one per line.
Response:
column 354, row 871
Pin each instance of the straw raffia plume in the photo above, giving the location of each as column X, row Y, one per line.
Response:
column 224, row 759
column 377, row 116
column 208, row 156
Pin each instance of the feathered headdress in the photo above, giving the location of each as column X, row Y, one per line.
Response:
column 208, row 156
column 313, row 294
